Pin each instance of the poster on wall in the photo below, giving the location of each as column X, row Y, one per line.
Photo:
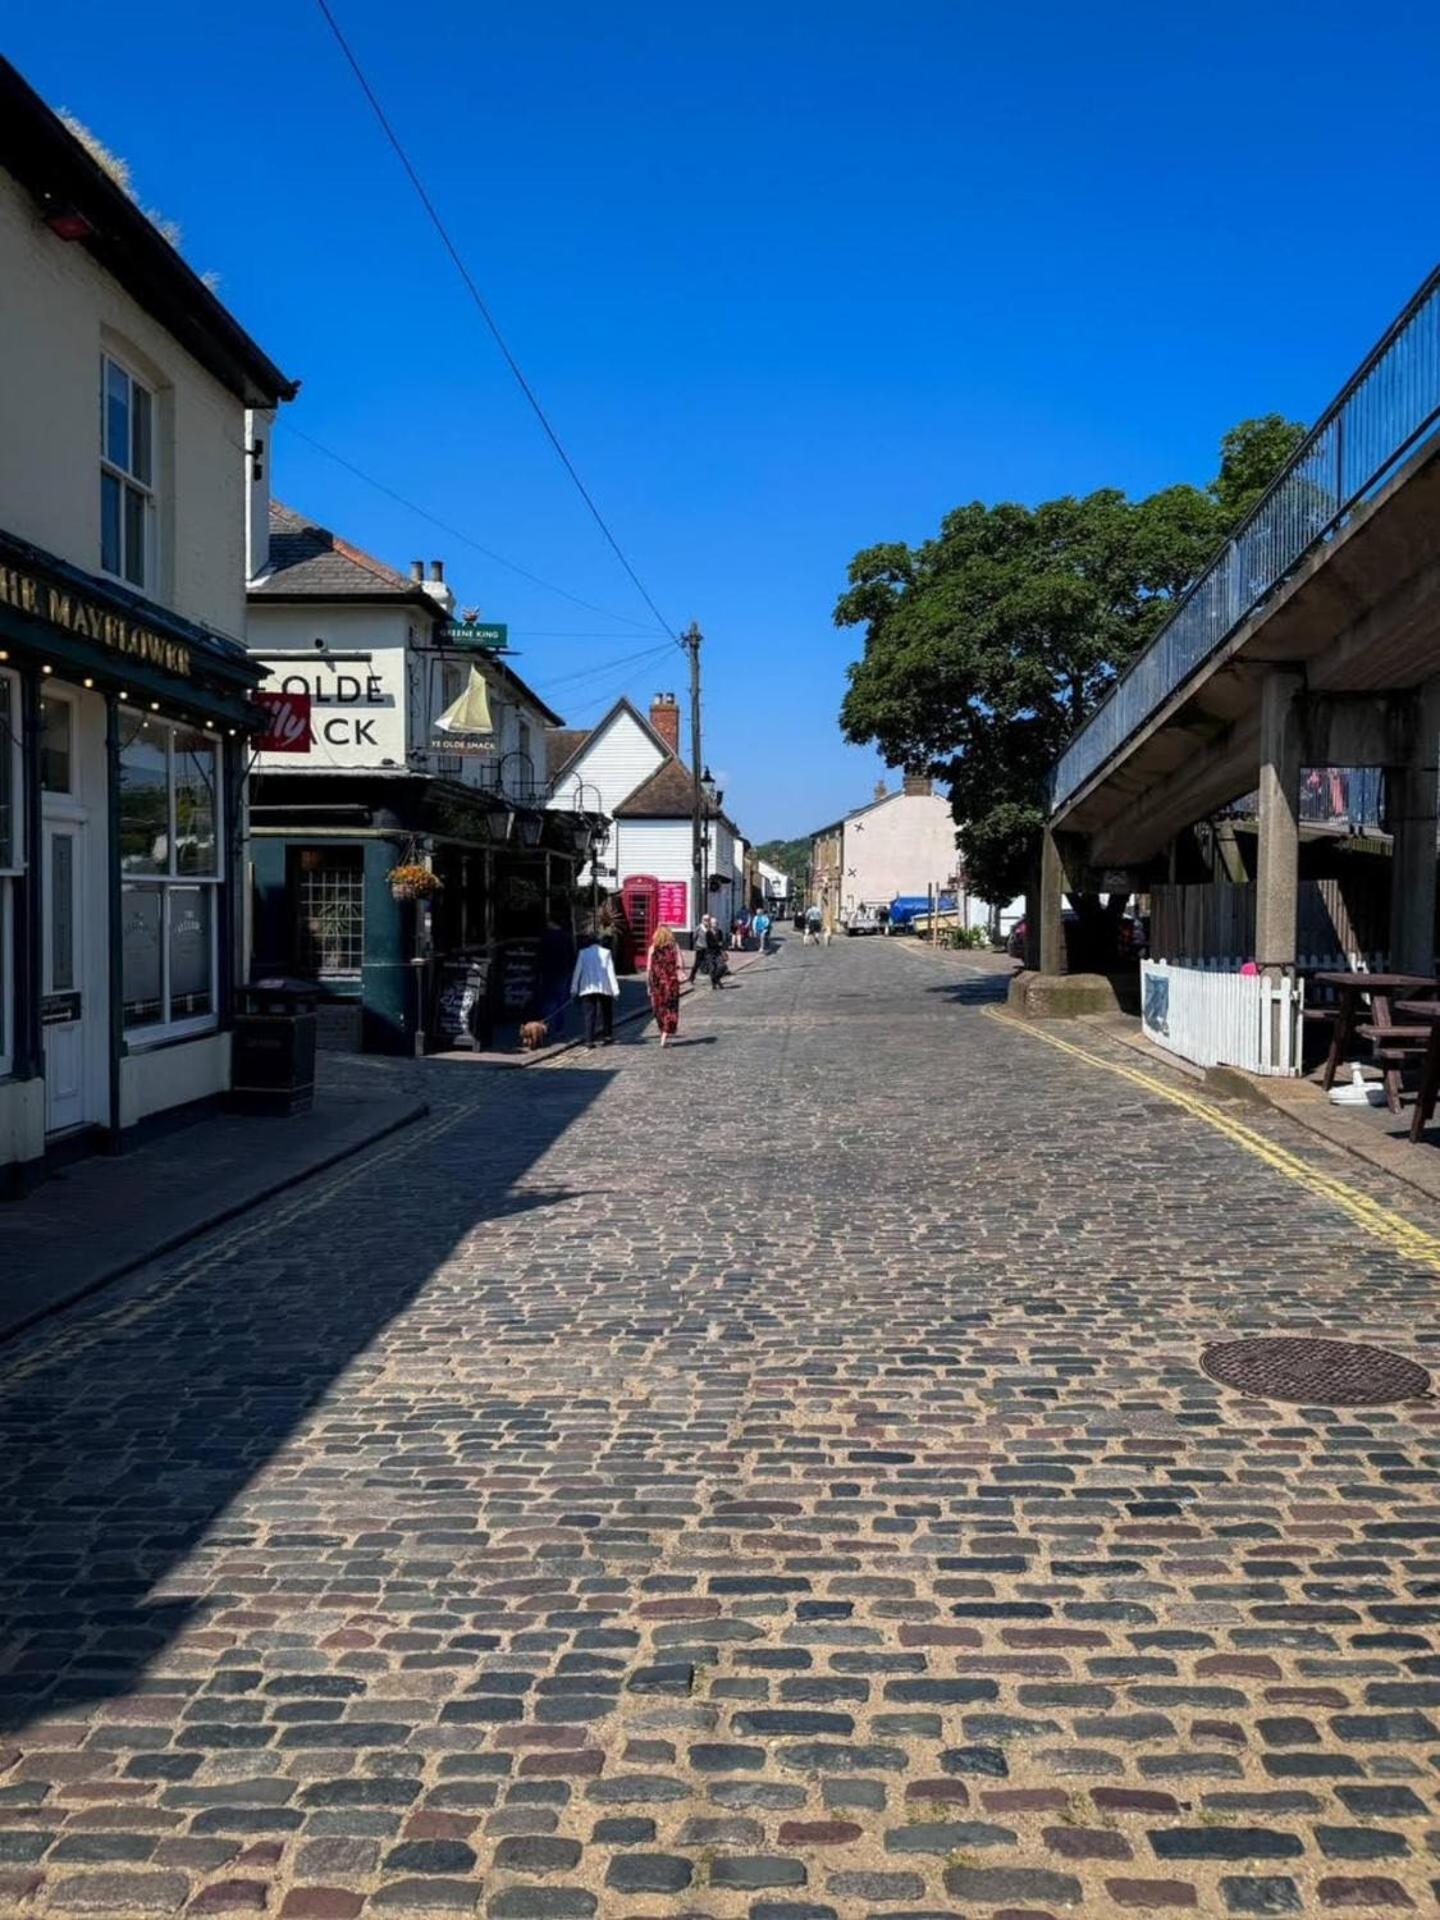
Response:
column 674, row 905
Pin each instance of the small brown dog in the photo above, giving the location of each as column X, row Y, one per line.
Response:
column 533, row 1034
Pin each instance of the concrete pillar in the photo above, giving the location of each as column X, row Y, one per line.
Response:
column 1411, row 794
column 1052, row 906
column 1277, row 877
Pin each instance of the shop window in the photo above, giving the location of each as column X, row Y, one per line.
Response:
column 11, row 857
column 330, row 911
column 170, row 873
column 127, row 472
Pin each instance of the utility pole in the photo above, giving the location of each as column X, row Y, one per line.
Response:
column 690, row 640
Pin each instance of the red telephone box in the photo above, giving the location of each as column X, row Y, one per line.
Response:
column 640, row 903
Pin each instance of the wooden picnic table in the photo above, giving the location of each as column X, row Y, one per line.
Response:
column 1380, row 1029
column 1428, row 1011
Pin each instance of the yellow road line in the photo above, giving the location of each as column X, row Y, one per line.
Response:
column 1401, row 1234
column 72, row 1338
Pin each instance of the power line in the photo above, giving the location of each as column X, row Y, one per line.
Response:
column 485, row 314
column 604, row 667
column 424, row 513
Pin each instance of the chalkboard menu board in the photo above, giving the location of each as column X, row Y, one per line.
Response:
column 462, row 1017
column 519, row 978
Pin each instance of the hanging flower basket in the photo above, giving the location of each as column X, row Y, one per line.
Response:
column 414, row 882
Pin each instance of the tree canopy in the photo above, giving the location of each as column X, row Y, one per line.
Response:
column 988, row 645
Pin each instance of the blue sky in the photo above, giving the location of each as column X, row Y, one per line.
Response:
column 790, row 279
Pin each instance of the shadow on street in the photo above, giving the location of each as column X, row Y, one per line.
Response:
column 150, row 1410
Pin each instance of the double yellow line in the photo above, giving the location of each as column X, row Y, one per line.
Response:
column 1398, row 1233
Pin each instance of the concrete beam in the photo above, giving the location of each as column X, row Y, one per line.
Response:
column 1053, row 881
column 1356, row 729
column 1278, row 875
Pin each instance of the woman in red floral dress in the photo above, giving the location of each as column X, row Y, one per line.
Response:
column 663, row 975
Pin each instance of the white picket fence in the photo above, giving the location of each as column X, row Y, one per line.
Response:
column 1219, row 1018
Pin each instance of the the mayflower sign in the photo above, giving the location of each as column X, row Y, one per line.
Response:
column 88, row 619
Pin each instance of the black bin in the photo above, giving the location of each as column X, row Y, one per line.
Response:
column 272, row 1057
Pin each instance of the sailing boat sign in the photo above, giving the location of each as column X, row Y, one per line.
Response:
column 466, row 725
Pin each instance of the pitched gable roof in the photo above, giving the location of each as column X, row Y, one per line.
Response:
column 668, row 794
column 310, row 562
column 561, row 757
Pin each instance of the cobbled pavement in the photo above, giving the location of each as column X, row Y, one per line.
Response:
column 770, row 1480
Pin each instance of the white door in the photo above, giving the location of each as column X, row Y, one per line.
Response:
column 62, row 1009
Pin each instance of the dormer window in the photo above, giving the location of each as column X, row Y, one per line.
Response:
column 127, row 469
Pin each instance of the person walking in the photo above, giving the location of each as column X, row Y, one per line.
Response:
column 715, row 941
column 709, row 951
column 762, row 930
column 594, row 985
column 814, row 920
column 662, row 975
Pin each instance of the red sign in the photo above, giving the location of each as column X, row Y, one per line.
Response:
column 287, row 724
column 675, row 903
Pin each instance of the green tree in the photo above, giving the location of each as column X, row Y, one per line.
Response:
column 1250, row 457
column 988, row 645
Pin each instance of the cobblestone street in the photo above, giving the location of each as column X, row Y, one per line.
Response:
column 769, row 1480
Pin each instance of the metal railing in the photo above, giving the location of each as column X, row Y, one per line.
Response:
column 1389, row 405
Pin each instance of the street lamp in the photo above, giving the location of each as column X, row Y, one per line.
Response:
column 710, row 799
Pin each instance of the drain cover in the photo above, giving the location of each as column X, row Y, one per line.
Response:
column 1327, row 1373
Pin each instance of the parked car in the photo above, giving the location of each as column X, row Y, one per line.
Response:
column 862, row 920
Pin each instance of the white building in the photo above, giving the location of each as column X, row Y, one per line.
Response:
column 124, row 680
column 774, row 885
column 629, row 768
column 901, row 843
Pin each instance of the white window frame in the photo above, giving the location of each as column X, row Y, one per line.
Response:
column 126, row 477
column 13, row 867
column 141, row 1039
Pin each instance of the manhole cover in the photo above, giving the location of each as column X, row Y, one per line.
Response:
column 1329, row 1373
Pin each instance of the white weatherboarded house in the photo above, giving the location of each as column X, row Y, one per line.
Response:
column 629, row 768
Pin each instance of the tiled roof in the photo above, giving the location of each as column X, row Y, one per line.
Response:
column 668, row 794
column 309, row 560
column 561, row 746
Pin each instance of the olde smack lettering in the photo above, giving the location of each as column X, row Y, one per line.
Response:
column 89, row 620
column 333, row 689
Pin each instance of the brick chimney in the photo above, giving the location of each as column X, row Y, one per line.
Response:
column 920, row 785
column 665, row 719
column 881, row 790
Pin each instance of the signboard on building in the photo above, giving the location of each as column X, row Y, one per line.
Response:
column 477, row 636
column 287, row 723
column 519, row 984
column 674, row 904
column 356, row 706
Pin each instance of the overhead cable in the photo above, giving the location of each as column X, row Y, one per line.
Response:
column 485, row 314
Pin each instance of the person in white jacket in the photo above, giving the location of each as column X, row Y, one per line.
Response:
column 594, row 984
